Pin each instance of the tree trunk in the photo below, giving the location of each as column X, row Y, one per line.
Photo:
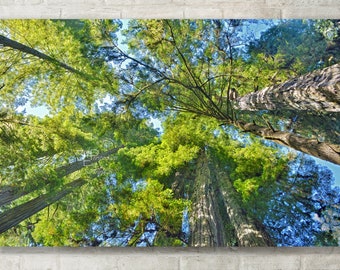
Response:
column 206, row 224
column 6, row 42
column 323, row 126
column 313, row 100
column 317, row 91
column 11, row 193
column 14, row 216
column 249, row 233
column 215, row 204
column 78, row 165
column 322, row 150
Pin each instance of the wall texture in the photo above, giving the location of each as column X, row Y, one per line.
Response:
column 179, row 9
column 169, row 258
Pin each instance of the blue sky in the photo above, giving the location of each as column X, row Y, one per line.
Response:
column 335, row 169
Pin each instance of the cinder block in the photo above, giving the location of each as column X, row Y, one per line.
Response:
column 156, row 12
column 39, row 262
column 30, row 2
column 179, row 2
column 97, row 12
column 203, row 13
column 214, row 3
column 211, row 2
column 333, row 3
column 118, row 3
column 272, row 262
column 88, row 262
column 9, row 262
column 256, row 12
column 209, row 262
column 321, row 262
column 152, row 2
column 74, row 2
column 294, row 3
column 36, row 12
column 311, row 13
column 149, row 261
column 7, row 3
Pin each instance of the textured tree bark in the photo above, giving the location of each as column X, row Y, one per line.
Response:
column 206, row 224
column 322, row 150
column 316, row 91
column 11, row 193
column 215, row 194
column 249, row 234
column 14, row 216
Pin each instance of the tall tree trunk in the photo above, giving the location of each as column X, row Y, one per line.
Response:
column 7, row 42
column 215, row 204
column 11, row 193
column 317, row 91
column 301, row 98
column 14, row 216
column 206, row 223
column 249, row 233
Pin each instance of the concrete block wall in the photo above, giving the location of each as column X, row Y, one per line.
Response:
column 169, row 258
column 179, row 9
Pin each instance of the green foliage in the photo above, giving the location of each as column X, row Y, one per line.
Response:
column 59, row 231
column 64, row 223
column 299, row 47
column 183, row 137
column 150, row 202
column 263, row 70
column 39, row 146
column 163, row 240
column 328, row 28
column 29, row 77
column 187, row 66
column 92, row 34
column 326, row 239
column 256, row 166
column 183, row 65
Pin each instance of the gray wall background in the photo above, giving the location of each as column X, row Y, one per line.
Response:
column 180, row 9
column 169, row 258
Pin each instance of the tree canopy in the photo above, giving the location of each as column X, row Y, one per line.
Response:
column 243, row 112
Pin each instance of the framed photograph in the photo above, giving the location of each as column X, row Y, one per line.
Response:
column 170, row 132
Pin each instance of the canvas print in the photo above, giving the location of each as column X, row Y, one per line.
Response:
column 188, row 133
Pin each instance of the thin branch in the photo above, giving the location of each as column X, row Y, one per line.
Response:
column 181, row 55
column 23, row 48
